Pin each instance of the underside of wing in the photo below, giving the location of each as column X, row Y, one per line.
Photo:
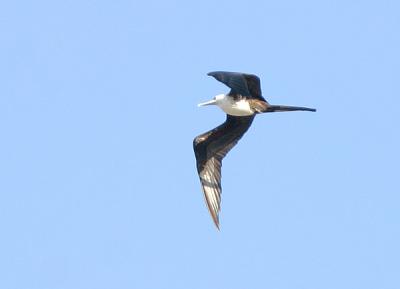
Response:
column 210, row 178
column 210, row 148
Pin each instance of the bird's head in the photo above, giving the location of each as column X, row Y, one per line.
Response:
column 215, row 101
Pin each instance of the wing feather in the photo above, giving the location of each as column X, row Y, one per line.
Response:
column 253, row 83
column 234, row 80
column 240, row 83
column 210, row 148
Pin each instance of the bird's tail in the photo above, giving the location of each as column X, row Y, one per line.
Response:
column 279, row 108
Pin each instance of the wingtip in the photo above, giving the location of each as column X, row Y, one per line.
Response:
column 215, row 219
column 216, row 222
column 213, row 73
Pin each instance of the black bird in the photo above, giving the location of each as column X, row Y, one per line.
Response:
column 241, row 105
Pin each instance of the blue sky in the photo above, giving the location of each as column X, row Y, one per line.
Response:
column 98, row 185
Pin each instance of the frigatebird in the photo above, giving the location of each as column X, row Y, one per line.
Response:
column 241, row 105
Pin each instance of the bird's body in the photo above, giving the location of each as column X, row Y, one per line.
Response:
column 238, row 105
column 241, row 105
column 234, row 107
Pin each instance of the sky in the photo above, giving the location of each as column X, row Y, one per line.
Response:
column 98, row 110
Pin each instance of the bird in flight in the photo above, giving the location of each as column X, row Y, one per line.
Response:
column 241, row 105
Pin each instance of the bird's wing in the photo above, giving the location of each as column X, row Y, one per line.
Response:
column 210, row 148
column 240, row 83
column 234, row 80
column 253, row 83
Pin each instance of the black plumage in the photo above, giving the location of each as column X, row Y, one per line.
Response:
column 210, row 148
column 241, row 84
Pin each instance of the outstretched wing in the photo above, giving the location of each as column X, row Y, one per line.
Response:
column 234, row 80
column 253, row 83
column 210, row 148
column 240, row 83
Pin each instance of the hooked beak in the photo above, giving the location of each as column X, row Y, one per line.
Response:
column 210, row 102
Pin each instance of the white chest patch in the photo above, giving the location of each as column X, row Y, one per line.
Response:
column 236, row 108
